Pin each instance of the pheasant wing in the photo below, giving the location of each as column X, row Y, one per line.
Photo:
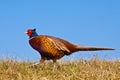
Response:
column 58, row 44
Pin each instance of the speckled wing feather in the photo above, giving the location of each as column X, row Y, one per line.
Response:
column 59, row 45
column 63, row 45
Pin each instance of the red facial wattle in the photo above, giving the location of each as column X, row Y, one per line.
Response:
column 29, row 32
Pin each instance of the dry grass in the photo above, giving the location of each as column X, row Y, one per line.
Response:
column 94, row 69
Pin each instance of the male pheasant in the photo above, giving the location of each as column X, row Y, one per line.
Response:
column 53, row 48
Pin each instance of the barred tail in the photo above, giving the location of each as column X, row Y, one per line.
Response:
column 90, row 48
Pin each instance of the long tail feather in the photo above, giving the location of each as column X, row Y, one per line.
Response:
column 90, row 48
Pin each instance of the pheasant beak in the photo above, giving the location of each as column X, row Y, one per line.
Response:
column 26, row 32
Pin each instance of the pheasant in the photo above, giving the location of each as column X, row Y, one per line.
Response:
column 53, row 48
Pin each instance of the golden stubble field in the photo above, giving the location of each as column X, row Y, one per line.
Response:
column 93, row 69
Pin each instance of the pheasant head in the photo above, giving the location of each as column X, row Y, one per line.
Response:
column 31, row 33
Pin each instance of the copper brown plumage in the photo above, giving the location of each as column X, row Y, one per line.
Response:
column 53, row 48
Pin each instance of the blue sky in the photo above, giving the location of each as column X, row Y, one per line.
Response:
column 86, row 22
